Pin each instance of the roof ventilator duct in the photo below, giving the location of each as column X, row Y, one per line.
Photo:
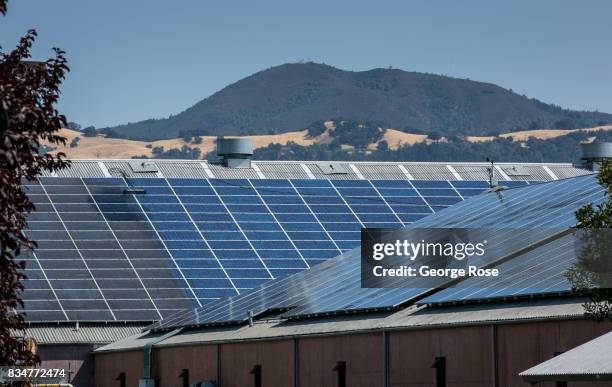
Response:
column 594, row 153
column 234, row 152
column 148, row 379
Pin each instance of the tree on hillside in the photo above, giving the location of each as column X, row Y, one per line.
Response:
column 592, row 271
column 89, row 131
column 28, row 93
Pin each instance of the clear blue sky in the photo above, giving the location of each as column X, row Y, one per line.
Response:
column 136, row 59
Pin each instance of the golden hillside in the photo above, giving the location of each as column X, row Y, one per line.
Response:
column 101, row 147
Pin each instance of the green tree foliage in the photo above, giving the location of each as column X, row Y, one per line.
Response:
column 193, row 135
column 184, row 153
column 383, row 146
column 357, row 134
column 592, row 270
column 435, row 135
column 89, row 131
column 559, row 149
column 29, row 92
column 316, row 129
column 73, row 126
column 75, row 142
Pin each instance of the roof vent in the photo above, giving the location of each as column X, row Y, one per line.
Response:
column 332, row 168
column 517, row 171
column 594, row 153
column 143, row 166
column 235, row 152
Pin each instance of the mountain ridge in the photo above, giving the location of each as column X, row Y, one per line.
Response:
column 289, row 97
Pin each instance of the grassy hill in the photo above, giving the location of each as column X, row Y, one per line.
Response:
column 333, row 141
column 289, row 97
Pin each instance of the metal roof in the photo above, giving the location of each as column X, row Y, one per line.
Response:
column 411, row 318
column 591, row 361
column 312, row 170
column 80, row 333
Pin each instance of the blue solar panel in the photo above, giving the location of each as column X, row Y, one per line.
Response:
column 538, row 272
column 305, row 291
column 334, row 287
column 187, row 242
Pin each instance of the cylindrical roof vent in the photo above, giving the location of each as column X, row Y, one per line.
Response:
column 593, row 154
column 235, row 152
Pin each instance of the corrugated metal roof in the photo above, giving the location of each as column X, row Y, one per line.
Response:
column 564, row 172
column 82, row 334
column 477, row 172
column 180, row 169
column 222, row 172
column 319, row 174
column 282, row 171
column 407, row 319
column 591, row 361
column 133, row 342
column 429, row 172
column 533, row 172
column 293, row 169
column 81, row 168
column 381, row 171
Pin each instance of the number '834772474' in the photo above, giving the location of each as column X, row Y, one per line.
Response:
column 46, row 375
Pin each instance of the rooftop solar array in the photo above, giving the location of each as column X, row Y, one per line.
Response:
column 107, row 253
column 541, row 271
column 334, row 287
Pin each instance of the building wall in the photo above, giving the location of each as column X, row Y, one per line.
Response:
column 522, row 346
column 361, row 352
column 275, row 358
column 467, row 351
column 108, row 366
column 411, row 353
column 76, row 359
column 201, row 361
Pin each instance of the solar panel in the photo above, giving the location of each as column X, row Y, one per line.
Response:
column 334, row 287
column 105, row 254
column 322, row 288
column 538, row 272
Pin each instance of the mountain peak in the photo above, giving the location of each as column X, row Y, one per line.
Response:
column 290, row 96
